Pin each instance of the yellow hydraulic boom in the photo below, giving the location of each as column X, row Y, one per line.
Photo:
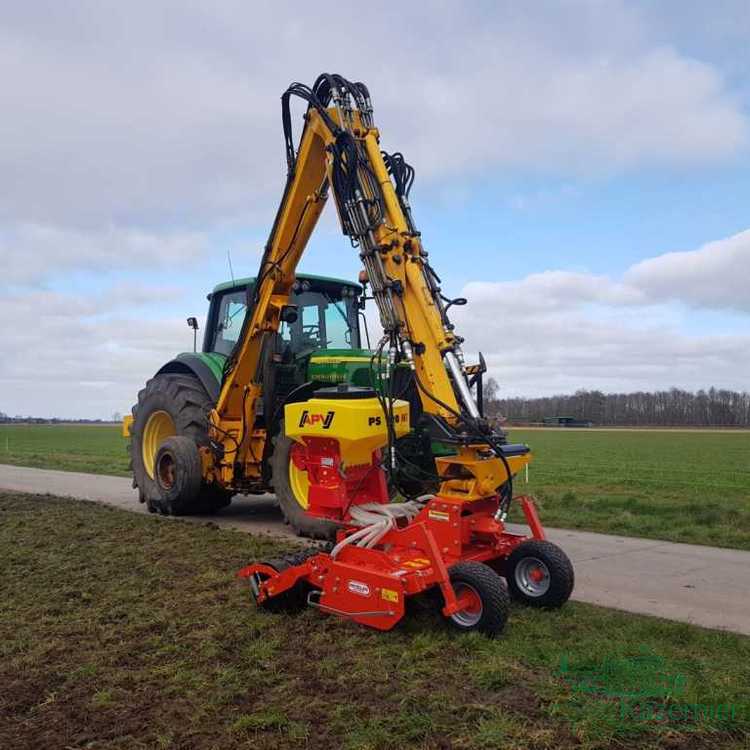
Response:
column 339, row 152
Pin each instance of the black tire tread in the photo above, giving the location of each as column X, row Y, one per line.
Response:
column 491, row 589
column 295, row 598
column 294, row 514
column 562, row 576
column 182, row 496
column 190, row 404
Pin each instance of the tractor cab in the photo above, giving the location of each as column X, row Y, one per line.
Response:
column 319, row 345
column 328, row 316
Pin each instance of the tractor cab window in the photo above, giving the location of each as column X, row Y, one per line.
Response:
column 325, row 321
column 228, row 322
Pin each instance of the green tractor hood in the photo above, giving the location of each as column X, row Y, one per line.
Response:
column 324, row 366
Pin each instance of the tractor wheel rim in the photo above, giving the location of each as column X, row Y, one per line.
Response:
column 159, row 426
column 299, row 481
column 165, row 471
column 472, row 610
column 532, row 576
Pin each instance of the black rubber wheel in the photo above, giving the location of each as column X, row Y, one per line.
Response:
column 293, row 599
column 539, row 574
column 178, row 472
column 171, row 404
column 489, row 611
column 294, row 513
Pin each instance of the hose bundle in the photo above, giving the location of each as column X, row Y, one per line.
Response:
column 376, row 521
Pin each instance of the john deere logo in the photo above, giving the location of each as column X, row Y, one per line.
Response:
column 312, row 419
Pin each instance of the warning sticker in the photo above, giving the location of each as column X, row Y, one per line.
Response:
column 389, row 595
column 417, row 562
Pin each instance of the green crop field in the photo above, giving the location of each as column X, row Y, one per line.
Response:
column 119, row 631
column 688, row 486
column 99, row 449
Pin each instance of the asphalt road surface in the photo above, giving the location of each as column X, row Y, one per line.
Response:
column 704, row 586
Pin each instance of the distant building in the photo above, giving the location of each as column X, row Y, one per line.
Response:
column 566, row 422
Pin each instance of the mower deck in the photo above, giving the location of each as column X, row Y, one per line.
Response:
column 370, row 584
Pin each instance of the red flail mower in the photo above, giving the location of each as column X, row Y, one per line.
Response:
column 384, row 552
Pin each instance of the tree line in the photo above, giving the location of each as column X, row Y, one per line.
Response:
column 714, row 407
column 21, row 419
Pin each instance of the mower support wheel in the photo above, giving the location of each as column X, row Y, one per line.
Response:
column 483, row 593
column 539, row 574
column 295, row 598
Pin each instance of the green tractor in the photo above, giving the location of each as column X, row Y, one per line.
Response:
column 322, row 347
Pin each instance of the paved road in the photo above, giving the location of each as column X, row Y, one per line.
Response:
column 700, row 585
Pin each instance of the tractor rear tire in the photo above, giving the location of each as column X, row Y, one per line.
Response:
column 171, row 404
column 486, row 590
column 292, row 508
column 539, row 574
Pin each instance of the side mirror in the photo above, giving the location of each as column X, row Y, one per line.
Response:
column 193, row 323
column 289, row 314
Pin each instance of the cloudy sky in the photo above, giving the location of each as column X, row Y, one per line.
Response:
column 582, row 176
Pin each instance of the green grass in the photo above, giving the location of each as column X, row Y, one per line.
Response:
column 681, row 486
column 98, row 449
column 122, row 631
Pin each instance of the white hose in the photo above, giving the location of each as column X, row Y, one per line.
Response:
column 377, row 520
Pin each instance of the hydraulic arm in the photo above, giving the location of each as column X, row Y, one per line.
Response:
column 339, row 152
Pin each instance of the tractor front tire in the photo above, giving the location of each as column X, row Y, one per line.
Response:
column 291, row 493
column 177, row 471
column 172, row 405
column 539, row 574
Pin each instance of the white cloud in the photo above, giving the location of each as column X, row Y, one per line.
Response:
column 554, row 290
column 30, row 253
column 76, row 355
column 134, row 133
column 558, row 331
column 547, row 333
column 544, row 354
column 150, row 113
column 716, row 275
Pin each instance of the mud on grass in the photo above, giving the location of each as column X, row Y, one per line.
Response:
column 121, row 631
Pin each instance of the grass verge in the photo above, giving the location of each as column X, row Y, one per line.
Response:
column 122, row 631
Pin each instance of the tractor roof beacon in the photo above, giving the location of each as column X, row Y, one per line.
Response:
column 284, row 398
